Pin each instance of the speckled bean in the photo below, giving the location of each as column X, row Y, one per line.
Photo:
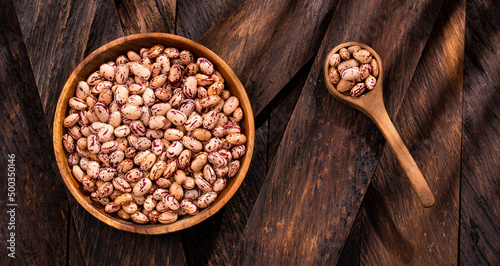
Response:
column 176, row 191
column 334, row 60
column 111, row 207
column 358, row 89
column 205, row 66
column 370, row 82
column 133, row 175
column 131, row 111
column 206, row 200
column 375, row 69
column 171, row 168
column 177, row 118
column 167, row 217
column 94, row 78
column 198, row 161
column 347, row 64
column 192, row 143
column 142, row 187
column 202, row 134
column 231, row 104
column 77, row 103
column 238, row 151
column 175, row 75
column 344, row 54
column 130, row 207
column 189, row 206
column 171, row 202
column 236, row 139
column 345, row 85
column 363, row 56
column 193, row 122
column 105, row 190
column 137, row 128
column 209, row 174
column 219, row 185
column 190, row 87
column 116, row 158
column 160, row 109
column 140, row 71
column 93, row 144
column 210, row 101
column 192, row 69
column 234, row 167
column 209, row 120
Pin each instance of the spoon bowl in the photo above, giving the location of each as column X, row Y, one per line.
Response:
column 371, row 103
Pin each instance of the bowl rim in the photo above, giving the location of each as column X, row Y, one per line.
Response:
column 61, row 154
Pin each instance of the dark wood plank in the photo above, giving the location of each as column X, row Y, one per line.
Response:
column 39, row 205
column 146, row 16
column 282, row 107
column 221, row 233
column 480, row 190
column 313, row 190
column 56, row 35
column 75, row 252
column 267, row 42
column 351, row 252
column 396, row 229
column 105, row 26
column 195, row 17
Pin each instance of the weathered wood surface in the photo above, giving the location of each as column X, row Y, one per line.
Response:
column 328, row 153
column 146, row 16
column 55, row 34
column 41, row 207
column 480, row 182
column 267, row 42
column 195, row 17
column 396, row 230
column 314, row 158
column 106, row 26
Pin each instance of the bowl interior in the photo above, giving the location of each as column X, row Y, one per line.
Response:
column 111, row 51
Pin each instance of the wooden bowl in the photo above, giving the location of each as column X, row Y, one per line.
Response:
column 111, row 51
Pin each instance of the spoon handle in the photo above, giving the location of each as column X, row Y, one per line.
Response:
column 420, row 186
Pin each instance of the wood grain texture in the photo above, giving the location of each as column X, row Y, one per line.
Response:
column 146, row 16
column 195, row 17
column 351, row 252
column 312, row 192
column 41, row 210
column 55, row 34
column 267, row 42
column 281, row 109
column 480, row 190
column 222, row 232
column 396, row 230
column 75, row 252
column 105, row 26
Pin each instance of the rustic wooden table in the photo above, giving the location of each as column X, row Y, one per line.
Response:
column 323, row 187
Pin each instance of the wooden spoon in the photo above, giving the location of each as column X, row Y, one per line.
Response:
column 371, row 103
